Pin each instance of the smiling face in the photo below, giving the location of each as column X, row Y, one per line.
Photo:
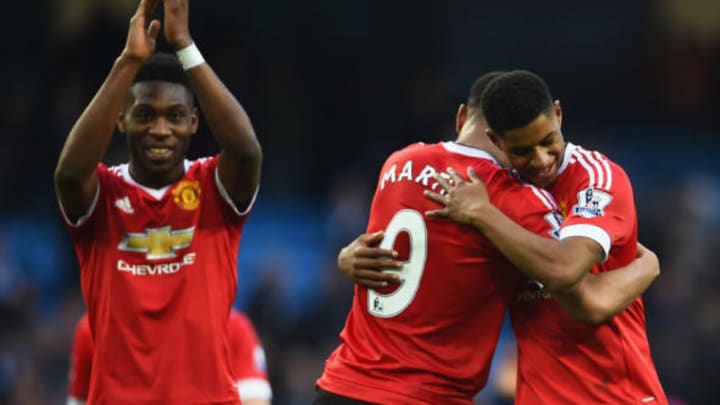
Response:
column 159, row 119
column 535, row 150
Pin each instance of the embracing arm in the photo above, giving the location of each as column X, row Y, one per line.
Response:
column 599, row 297
column 75, row 176
column 368, row 265
column 558, row 264
column 240, row 156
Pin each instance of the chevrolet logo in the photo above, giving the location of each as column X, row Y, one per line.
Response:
column 158, row 243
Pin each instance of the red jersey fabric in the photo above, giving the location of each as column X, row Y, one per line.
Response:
column 430, row 341
column 248, row 360
column 158, row 274
column 80, row 362
column 564, row 361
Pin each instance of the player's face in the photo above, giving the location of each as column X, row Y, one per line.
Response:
column 536, row 150
column 159, row 120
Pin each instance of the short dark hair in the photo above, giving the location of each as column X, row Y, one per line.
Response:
column 163, row 67
column 478, row 88
column 515, row 99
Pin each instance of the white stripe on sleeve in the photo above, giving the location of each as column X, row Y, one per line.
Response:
column 254, row 388
column 74, row 401
column 588, row 168
column 593, row 232
column 608, row 171
column 548, row 202
column 598, row 169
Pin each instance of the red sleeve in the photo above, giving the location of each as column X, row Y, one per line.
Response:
column 604, row 208
column 209, row 167
column 248, row 354
column 81, row 361
column 249, row 368
column 79, row 224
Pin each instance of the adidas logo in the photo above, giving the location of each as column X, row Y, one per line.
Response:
column 124, row 205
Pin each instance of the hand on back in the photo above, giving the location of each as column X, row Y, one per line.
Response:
column 364, row 264
column 462, row 200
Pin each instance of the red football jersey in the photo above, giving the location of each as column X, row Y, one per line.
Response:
column 158, row 274
column 80, row 363
column 564, row 361
column 248, row 360
column 431, row 340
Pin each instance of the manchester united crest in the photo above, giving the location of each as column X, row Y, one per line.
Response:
column 187, row 194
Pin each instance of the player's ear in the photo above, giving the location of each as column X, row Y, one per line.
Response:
column 121, row 121
column 558, row 112
column 195, row 117
column 460, row 118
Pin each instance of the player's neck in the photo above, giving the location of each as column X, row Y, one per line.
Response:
column 475, row 138
column 156, row 180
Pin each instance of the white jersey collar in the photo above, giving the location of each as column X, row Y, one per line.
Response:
column 569, row 152
column 468, row 151
column 157, row 193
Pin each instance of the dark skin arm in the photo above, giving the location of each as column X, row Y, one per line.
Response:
column 75, row 177
column 240, row 156
column 364, row 264
column 558, row 264
column 595, row 299
column 600, row 296
column 592, row 298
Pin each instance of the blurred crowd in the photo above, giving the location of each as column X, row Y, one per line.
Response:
column 332, row 87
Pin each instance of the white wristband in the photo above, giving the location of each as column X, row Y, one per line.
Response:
column 190, row 57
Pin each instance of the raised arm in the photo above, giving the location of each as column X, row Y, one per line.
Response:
column 75, row 176
column 240, row 156
column 558, row 264
column 600, row 296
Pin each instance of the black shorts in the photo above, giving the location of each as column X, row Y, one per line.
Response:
column 328, row 398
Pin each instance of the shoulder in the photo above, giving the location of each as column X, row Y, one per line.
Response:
column 116, row 175
column 201, row 164
column 531, row 207
column 407, row 163
column 593, row 169
column 412, row 151
column 519, row 197
column 114, row 172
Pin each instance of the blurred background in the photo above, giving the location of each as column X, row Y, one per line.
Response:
column 333, row 87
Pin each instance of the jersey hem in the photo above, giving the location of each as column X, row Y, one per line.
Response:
column 230, row 400
column 84, row 218
column 225, row 196
column 381, row 394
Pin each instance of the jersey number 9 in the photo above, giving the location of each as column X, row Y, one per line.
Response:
column 392, row 304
